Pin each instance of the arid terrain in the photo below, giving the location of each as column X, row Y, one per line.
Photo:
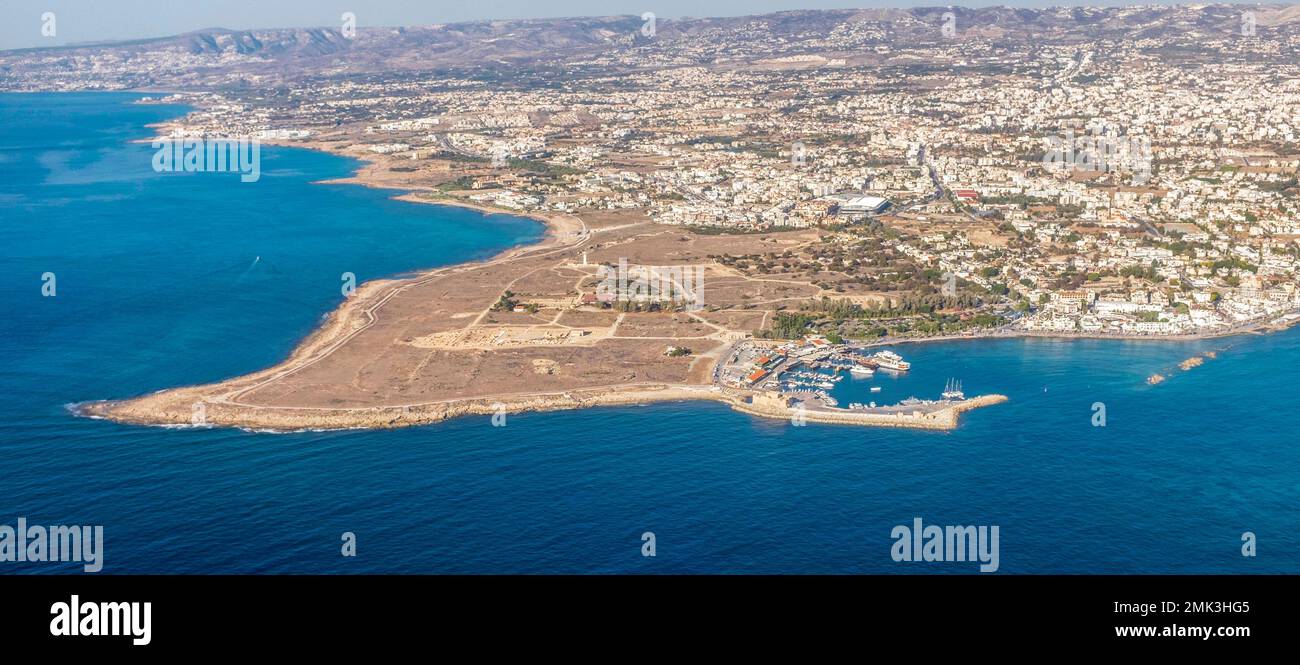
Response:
column 438, row 345
column 419, row 350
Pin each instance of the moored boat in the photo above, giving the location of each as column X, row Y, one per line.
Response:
column 891, row 361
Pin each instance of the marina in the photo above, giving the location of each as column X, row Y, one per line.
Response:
column 808, row 374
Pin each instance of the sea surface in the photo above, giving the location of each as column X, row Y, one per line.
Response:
column 164, row 279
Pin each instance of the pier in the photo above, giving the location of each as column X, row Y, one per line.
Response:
column 944, row 415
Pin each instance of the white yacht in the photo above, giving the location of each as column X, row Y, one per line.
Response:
column 892, row 361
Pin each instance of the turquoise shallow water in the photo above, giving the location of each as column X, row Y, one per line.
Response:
column 160, row 284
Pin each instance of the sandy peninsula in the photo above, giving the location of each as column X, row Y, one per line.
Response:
column 517, row 332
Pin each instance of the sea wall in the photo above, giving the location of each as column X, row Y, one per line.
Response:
column 942, row 419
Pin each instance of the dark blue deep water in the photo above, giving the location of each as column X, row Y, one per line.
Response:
column 159, row 284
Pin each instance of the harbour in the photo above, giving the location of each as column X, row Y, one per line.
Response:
column 802, row 379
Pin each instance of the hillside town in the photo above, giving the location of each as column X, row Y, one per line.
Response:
column 1108, row 187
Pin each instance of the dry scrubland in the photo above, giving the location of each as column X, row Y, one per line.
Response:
column 404, row 352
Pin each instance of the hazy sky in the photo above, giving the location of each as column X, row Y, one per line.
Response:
column 100, row 20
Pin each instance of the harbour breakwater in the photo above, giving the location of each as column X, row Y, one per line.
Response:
column 945, row 417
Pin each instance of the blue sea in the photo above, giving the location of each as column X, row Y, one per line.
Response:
column 164, row 279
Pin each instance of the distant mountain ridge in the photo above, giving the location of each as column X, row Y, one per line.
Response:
column 216, row 57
